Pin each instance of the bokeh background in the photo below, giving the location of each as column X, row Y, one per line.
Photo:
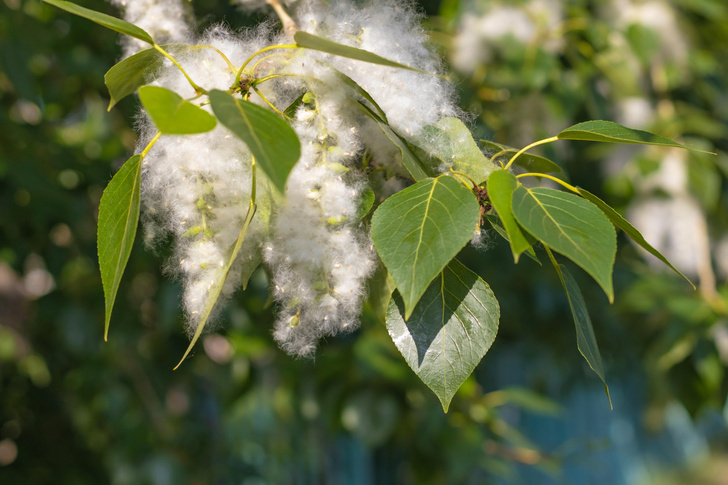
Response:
column 76, row 410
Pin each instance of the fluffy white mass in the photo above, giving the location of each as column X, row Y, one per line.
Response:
column 164, row 20
column 313, row 239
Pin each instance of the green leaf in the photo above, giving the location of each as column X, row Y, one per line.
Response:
column 290, row 111
column 610, row 132
column 532, row 163
column 218, row 283
column 451, row 142
column 133, row 72
column 572, row 226
column 622, row 223
column 270, row 139
column 449, row 331
column 102, row 19
column 418, row 230
column 501, row 185
column 381, row 287
column 414, row 164
column 314, row 42
column 360, row 91
column 173, row 115
column 496, row 224
column 366, row 203
column 117, row 226
column 586, row 341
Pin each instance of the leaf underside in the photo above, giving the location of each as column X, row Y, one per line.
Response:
column 173, row 115
column 113, row 23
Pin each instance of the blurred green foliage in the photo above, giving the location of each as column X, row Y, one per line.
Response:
column 74, row 409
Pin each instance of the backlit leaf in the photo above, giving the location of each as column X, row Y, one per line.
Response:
column 173, row 115
column 270, row 139
column 572, row 226
column 450, row 330
column 610, row 132
column 418, row 230
column 117, row 226
column 451, row 141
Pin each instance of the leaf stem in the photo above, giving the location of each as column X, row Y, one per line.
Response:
column 257, row 53
column 194, row 85
column 502, row 152
column 257, row 91
column 222, row 54
column 550, row 177
column 289, row 25
column 534, row 144
column 150, row 145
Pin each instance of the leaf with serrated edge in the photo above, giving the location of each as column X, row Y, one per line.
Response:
column 172, row 115
column 610, row 132
column 451, row 142
column 135, row 71
column 418, row 230
column 572, row 226
column 450, row 330
column 586, row 341
column 622, row 223
column 270, row 139
column 117, row 226
column 218, row 284
column 118, row 25
column 501, row 185
column 414, row 164
column 314, row 42
column 532, row 163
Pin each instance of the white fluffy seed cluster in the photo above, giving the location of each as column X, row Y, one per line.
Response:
column 317, row 248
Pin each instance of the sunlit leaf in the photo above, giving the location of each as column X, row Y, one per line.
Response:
column 622, row 223
column 450, row 330
column 270, row 139
column 218, row 282
column 172, row 115
column 117, row 226
column 501, row 185
column 310, row 41
column 418, row 230
column 107, row 21
column 133, row 72
column 610, row 132
column 572, row 226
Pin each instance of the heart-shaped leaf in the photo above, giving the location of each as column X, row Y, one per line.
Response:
column 572, row 226
column 501, row 185
column 270, row 139
column 622, row 223
column 418, row 230
column 173, row 115
column 117, row 226
column 451, row 329
column 107, row 21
